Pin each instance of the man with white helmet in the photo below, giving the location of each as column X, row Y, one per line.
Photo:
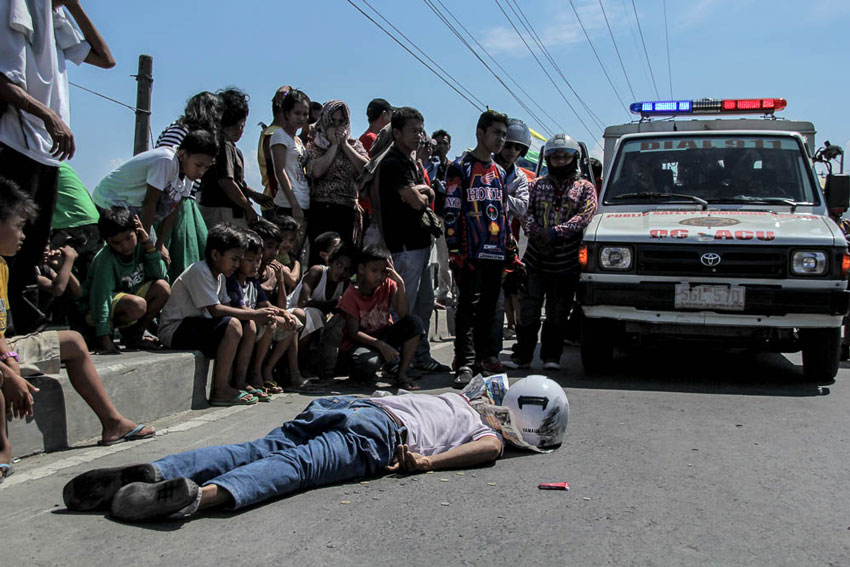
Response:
column 560, row 206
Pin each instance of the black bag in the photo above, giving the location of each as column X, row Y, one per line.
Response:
column 431, row 222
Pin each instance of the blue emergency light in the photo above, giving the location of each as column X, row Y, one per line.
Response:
column 708, row 106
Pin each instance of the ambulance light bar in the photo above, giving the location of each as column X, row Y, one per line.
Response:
column 709, row 106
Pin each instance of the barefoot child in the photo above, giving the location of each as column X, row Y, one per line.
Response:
column 126, row 285
column 245, row 292
column 372, row 338
column 195, row 317
column 27, row 355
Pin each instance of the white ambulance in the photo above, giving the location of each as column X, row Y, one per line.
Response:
column 715, row 230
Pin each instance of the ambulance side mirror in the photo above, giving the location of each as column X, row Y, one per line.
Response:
column 837, row 191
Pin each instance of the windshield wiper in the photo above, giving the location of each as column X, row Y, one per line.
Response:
column 655, row 195
column 767, row 200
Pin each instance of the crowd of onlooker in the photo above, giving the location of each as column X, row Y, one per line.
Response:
column 333, row 268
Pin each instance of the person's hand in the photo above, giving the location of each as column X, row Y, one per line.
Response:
column 409, row 462
column 331, row 134
column 264, row 315
column 388, row 352
column 392, row 274
column 298, row 214
column 104, row 345
column 340, row 136
column 52, row 257
column 141, row 234
column 18, row 393
column 166, row 257
column 69, row 253
column 261, row 199
column 286, row 323
column 63, row 140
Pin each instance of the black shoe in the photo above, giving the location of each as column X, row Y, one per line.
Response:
column 169, row 499
column 845, row 352
column 462, row 378
column 95, row 489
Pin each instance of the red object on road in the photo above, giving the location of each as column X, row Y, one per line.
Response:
column 554, row 486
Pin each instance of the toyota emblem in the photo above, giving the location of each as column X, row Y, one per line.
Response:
column 710, row 259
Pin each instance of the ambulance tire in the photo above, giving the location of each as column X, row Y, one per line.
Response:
column 597, row 346
column 821, row 353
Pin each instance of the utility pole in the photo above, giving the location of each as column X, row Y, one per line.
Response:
column 143, row 103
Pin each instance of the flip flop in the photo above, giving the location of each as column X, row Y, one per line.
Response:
column 241, row 399
column 408, row 385
column 5, row 470
column 272, row 387
column 132, row 435
column 259, row 394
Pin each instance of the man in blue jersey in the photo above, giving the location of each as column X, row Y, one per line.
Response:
column 477, row 237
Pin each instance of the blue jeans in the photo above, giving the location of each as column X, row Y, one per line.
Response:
column 413, row 267
column 333, row 440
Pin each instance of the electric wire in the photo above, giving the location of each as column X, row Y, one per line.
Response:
column 523, row 20
column 391, row 36
column 420, row 50
column 645, row 52
column 667, row 40
column 457, row 34
column 118, row 102
column 617, row 49
column 549, row 131
column 598, row 59
column 548, row 75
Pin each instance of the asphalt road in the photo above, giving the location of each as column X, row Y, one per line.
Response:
column 698, row 458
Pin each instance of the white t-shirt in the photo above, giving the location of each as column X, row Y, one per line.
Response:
column 35, row 42
column 192, row 291
column 126, row 185
column 296, row 160
column 436, row 424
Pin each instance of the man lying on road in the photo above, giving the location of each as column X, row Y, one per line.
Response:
column 332, row 440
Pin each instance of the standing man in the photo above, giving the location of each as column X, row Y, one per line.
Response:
column 404, row 196
column 379, row 113
column 560, row 206
column 516, row 180
column 436, row 168
column 478, row 237
column 36, row 40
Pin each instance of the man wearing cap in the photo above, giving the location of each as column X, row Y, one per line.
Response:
column 379, row 112
column 560, row 206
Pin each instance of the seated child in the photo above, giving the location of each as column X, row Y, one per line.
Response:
column 38, row 353
column 245, row 292
column 196, row 316
column 57, row 285
column 372, row 338
column 318, row 296
column 322, row 246
column 278, row 242
column 125, row 287
column 153, row 183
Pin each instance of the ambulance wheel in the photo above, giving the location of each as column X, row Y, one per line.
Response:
column 821, row 353
column 597, row 347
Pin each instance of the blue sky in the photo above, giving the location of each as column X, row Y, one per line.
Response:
column 718, row 48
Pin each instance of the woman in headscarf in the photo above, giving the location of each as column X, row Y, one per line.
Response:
column 335, row 162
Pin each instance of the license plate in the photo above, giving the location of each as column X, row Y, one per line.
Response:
column 724, row 297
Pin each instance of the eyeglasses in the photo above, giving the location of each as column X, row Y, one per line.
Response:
column 513, row 146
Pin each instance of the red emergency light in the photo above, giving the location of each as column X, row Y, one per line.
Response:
column 709, row 106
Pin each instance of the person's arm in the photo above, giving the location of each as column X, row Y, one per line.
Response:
column 235, row 194
column 149, row 203
column 584, row 211
column 481, row 451
column 57, row 285
column 357, row 159
column 264, row 315
column 452, row 209
column 17, row 391
column 320, row 164
column 530, row 222
column 291, row 275
column 162, row 235
column 518, row 195
column 63, row 140
column 399, row 297
column 100, row 300
column 352, row 324
column 100, row 55
column 278, row 153
column 310, row 281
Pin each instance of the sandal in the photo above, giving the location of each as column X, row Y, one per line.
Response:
column 240, row 399
column 408, row 385
column 272, row 387
column 261, row 395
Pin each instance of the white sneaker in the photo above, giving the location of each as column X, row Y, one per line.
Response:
column 551, row 366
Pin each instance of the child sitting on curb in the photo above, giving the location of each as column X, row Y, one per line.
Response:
column 372, row 338
column 194, row 318
column 244, row 291
column 126, row 285
column 37, row 353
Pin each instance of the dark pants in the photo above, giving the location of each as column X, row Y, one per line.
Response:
column 40, row 182
column 364, row 362
column 479, row 284
column 557, row 290
column 326, row 217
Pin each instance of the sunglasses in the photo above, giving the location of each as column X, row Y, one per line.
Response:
column 514, row 146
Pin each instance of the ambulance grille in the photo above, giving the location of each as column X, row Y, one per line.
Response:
column 740, row 261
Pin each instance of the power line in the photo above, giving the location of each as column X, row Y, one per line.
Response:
column 617, row 49
column 383, row 29
column 599, row 59
column 470, row 93
column 549, row 131
column 534, row 55
column 667, row 39
column 118, row 102
column 523, row 20
column 645, row 52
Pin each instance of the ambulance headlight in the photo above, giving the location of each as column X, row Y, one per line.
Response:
column 615, row 258
column 808, row 263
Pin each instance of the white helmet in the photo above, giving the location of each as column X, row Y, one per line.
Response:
column 541, row 410
column 561, row 143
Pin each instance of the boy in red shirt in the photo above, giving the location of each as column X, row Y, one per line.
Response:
column 372, row 339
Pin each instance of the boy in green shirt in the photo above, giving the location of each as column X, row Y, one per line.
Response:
column 126, row 286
